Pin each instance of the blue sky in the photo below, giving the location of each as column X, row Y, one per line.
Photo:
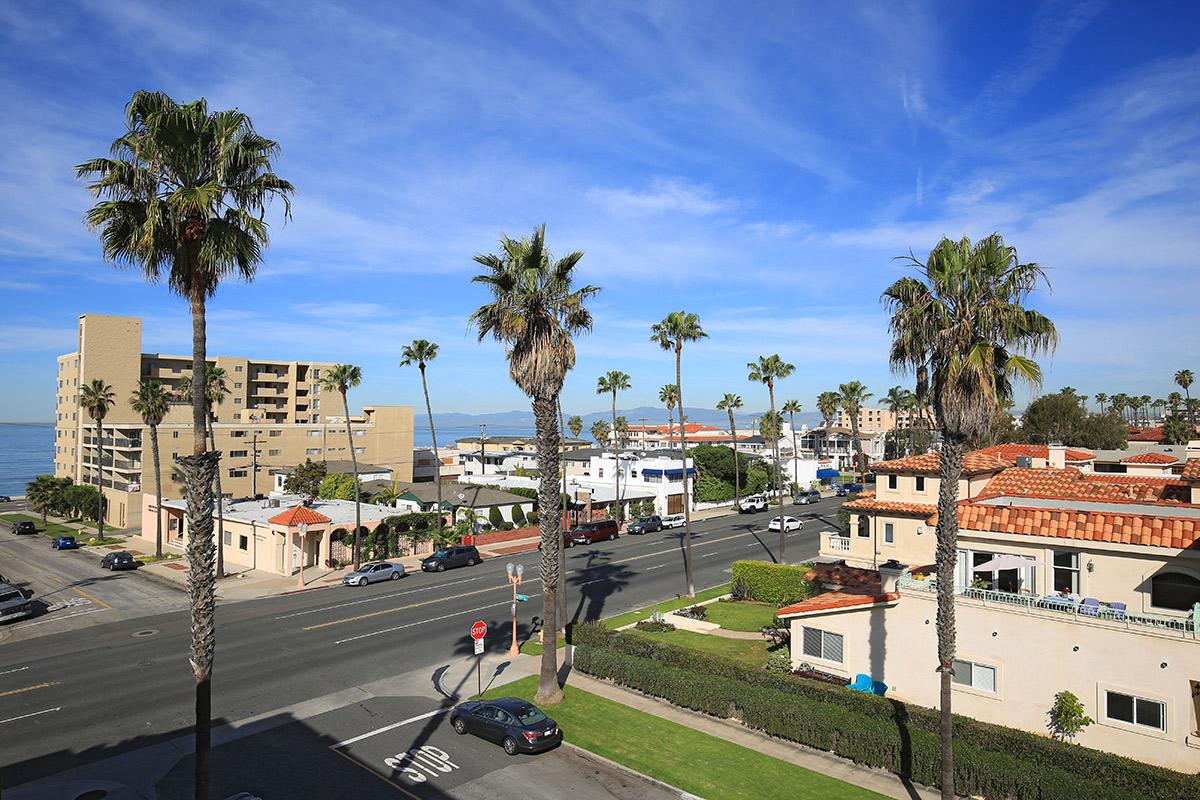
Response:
column 758, row 163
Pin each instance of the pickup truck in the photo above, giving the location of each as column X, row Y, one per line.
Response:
column 13, row 603
column 752, row 503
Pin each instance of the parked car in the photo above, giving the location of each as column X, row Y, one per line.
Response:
column 373, row 572
column 674, row 521
column 64, row 543
column 5, row 498
column 449, row 557
column 515, row 724
column 806, row 496
column 13, row 603
column 24, row 526
column 121, row 560
column 651, row 524
column 752, row 503
column 789, row 524
column 597, row 531
column 844, row 489
column 567, row 542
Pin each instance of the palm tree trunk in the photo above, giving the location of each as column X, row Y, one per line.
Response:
column 736, row 477
column 354, row 468
column 795, row 456
column 946, row 554
column 212, row 436
column 157, row 492
column 670, row 422
column 1191, row 415
column 616, row 463
column 778, row 474
column 687, row 506
column 562, row 553
column 550, row 503
column 437, row 462
column 198, row 471
column 100, row 483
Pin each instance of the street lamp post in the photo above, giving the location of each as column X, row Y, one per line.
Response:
column 514, row 577
column 303, row 528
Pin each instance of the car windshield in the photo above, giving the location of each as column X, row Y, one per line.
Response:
column 440, row 553
column 8, row 596
column 530, row 715
column 643, row 519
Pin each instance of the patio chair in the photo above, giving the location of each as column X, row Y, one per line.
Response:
column 1117, row 609
column 1090, row 607
column 879, row 687
column 862, row 683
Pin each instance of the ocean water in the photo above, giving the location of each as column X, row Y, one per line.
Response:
column 26, row 450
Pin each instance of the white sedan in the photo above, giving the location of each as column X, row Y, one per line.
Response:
column 789, row 524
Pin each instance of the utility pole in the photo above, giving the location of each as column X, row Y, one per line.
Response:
column 483, row 448
column 254, row 467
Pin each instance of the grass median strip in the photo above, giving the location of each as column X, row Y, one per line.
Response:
column 695, row 762
column 741, row 616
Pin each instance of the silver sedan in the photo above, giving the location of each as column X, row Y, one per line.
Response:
column 374, row 572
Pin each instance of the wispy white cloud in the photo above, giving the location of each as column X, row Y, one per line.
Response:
column 664, row 195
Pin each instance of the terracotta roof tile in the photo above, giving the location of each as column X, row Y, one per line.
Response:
column 1071, row 484
column 1010, row 452
column 890, row 507
column 974, row 463
column 1175, row 532
column 1191, row 471
column 832, row 601
column 298, row 515
column 1149, row 458
column 846, row 577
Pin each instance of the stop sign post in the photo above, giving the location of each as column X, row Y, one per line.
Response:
column 478, row 631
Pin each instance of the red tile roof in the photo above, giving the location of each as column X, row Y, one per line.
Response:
column 833, row 601
column 1136, row 529
column 299, row 515
column 846, row 577
column 869, row 503
column 1010, row 452
column 974, row 463
column 1146, row 434
column 1149, row 458
column 1191, row 472
column 1071, row 484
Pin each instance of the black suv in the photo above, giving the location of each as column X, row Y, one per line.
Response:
column 121, row 560
column 650, row 524
column 449, row 557
column 24, row 526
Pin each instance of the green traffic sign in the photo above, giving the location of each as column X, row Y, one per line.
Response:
column 521, row 598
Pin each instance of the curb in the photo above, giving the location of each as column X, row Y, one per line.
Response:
column 630, row 771
column 301, row 591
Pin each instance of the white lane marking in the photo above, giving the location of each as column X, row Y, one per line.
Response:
column 710, row 555
column 34, row 714
column 394, row 725
column 420, row 622
column 754, row 544
column 10, row 671
column 657, row 566
column 377, row 597
column 56, row 619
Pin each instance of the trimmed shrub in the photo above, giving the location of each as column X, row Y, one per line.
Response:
column 990, row 760
column 777, row 584
column 518, row 516
column 654, row 626
column 495, row 517
column 693, row 612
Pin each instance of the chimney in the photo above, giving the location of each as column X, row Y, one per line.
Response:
column 1057, row 455
column 889, row 575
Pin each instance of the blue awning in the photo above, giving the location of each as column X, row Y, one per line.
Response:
column 677, row 473
column 827, row 473
column 657, row 472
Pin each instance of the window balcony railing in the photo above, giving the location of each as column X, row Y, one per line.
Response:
column 1053, row 608
column 836, row 543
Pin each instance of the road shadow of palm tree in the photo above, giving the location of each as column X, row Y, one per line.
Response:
column 596, row 581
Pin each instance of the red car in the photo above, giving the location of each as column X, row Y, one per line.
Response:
column 598, row 531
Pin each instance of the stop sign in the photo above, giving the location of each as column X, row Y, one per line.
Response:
column 478, row 630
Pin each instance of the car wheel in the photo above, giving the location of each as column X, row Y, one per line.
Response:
column 362, row 581
column 510, row 745
column 470, row 562
column 395, row 575
column 441, row 567
column 460, row 727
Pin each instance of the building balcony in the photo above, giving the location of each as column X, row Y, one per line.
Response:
column 834, row 542
column 1065, row 609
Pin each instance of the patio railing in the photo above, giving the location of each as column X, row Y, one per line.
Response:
column 1188, row 626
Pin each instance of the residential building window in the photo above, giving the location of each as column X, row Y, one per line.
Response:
column 237, row 401
column 1133, row 710
column 822, row 644
column 313, row 451
column 237, row 434
column 243, row 542
column 317, row 376
column 1174, row 590
column 359, row 432
column 891, row 481
column 237, row 386
column 314, row 433
column 273, row 452
column 274, row 433
column 864, row 525
column 889, row 533
column 228, row 537
column 1066, row 571
column 920, row 483
column 977, row 676
column 238, row 368
column 360, row 450
column 600, row 472
column 237, row 416
column 316, row 403
column 237, row 473
column 652, row 478
column 238, row 453
column 174, row 434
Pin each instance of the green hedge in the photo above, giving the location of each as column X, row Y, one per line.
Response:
column 990, row 760
column 778, row 584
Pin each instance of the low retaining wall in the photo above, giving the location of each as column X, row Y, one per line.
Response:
column 496, row 537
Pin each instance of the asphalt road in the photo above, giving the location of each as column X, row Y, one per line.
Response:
column 76, row 697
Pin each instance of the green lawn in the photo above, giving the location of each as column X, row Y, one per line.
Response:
column 694, row 762
column 51, row 529
column 749, row 652
column 665, row 606
column 741, row 615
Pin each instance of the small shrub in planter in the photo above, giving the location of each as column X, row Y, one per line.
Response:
column 693, row 612
column 739, row 589
column 779, row 662
column 654, row 626
column 779, row 632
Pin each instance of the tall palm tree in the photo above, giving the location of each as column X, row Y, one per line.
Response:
column 1144, row 401
column 730, row 403
column 1159, row 405
column 601, row 431
column 668, row 395
column 341, row 378
column 827, row 404
column 1184, row 380
column 184, row 192
column 1175, row 402
column 899, row 400
column 852, row 395
column 535, row 311
column 610, row 383
column 1101, row 398
column 152, row 401
column 421, row 352
column 1120, row 403
column 97, row 399
column 792, row 408
column 215, row 393
column 767, row 370
column 575, row 425
column 676, row 329
column 963, row 324
column 42, row 493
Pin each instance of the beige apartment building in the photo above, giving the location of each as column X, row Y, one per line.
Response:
column 275, row 416
column 1064, row 580
column 875, row 420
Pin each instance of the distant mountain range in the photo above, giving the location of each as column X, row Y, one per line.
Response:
column 651, row 414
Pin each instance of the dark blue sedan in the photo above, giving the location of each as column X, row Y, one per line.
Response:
column 517, row 725
column 65, row 543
